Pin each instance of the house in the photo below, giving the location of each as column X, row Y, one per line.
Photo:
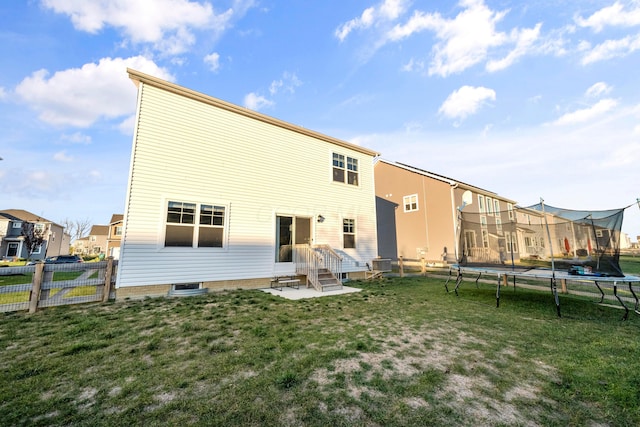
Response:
column 12, row 242
column 220, row 196
column 114, row 237
column 93, row 244
column 417, row 213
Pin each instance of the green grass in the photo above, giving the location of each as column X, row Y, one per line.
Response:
column 401, row 352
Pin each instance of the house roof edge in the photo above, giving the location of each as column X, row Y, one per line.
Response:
column 139, row 77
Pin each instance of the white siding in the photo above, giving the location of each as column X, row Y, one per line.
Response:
column 185, row 150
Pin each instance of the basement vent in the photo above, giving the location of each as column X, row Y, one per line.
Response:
column 187, row 289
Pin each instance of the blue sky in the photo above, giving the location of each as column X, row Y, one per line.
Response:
column 526, row 99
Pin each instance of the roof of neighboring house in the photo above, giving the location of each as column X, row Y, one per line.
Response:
column 99, row 230
column 139, row 77
column 442, row 178
column 9, row 216
column 116, row 218
column 23, row 215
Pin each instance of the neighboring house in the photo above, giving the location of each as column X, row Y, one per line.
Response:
column 417, row 213
column 12, row 242
column 81, row 246
column 220, row 196
column 93, row 244
column 114, row 238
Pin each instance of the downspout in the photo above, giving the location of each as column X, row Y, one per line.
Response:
column 454, row 215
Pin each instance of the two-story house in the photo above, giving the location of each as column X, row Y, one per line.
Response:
column 12, row 242
column 95, row 243
column 418, row 215
column 220, row 196
column 114, row 237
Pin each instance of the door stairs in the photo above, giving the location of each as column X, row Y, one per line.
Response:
column 328, row 281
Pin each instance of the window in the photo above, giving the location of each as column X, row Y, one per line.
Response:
column 483, row 221
column 118, row 230
column 92, row 238
column 12, row 249
column 17, row 225
column 489, row 206
column 499, row 226
column 211, row 226
column 510, row 210
column 349, row 233
column 37, row 250
column 183, row 230
column 481, row 203
column 496, row 207
column 485, row 239
column 598, row 233
column 342, row 169
column 410, row 203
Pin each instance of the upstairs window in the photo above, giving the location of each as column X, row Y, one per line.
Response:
column 349, row 233
column 345, row 169
column 118, row 230
column 496, row 207
column 480, row 203
column 195, row 225
column 410, row 203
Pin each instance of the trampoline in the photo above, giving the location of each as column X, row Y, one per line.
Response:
column 544, row 243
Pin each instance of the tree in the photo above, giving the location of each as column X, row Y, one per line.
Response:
column 33, row 236
column 76, row 228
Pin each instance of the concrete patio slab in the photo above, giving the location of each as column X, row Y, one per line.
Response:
column 302, row 292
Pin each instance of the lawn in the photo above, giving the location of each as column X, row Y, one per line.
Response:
column 400, row 352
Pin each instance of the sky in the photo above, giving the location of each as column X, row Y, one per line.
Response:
column 530, row 100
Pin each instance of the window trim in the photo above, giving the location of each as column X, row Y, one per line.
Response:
column 353, row 233
column 348, row 165
column 480, row 203
column 195, row 225
column 407, row 201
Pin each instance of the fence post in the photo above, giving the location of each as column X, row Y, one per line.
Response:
column 401, row 266
column 36, row 286
column 423, row 266
column 107, row 280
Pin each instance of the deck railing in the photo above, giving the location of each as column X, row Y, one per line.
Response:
column 310, row 260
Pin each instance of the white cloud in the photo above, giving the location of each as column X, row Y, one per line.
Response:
column 288, row 83
column 465, row 40
column 612, row 49
column 3, row 93
column 213, row 61
column 256, row 102
column 389, row 10
column 77, row 138
column 61, row 156
column 598, row 89
column 524, row 40
column 168, row 25
column 587, row 114
column 466, row 101
column 81, row 96
column 413, row 65
column 127, row 125
column 614, row 16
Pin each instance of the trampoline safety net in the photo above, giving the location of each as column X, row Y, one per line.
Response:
column 542, row 236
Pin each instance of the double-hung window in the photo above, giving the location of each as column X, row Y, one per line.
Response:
column 195, row 225
column 410, row 203
column 349, row 233
column 345, row 169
